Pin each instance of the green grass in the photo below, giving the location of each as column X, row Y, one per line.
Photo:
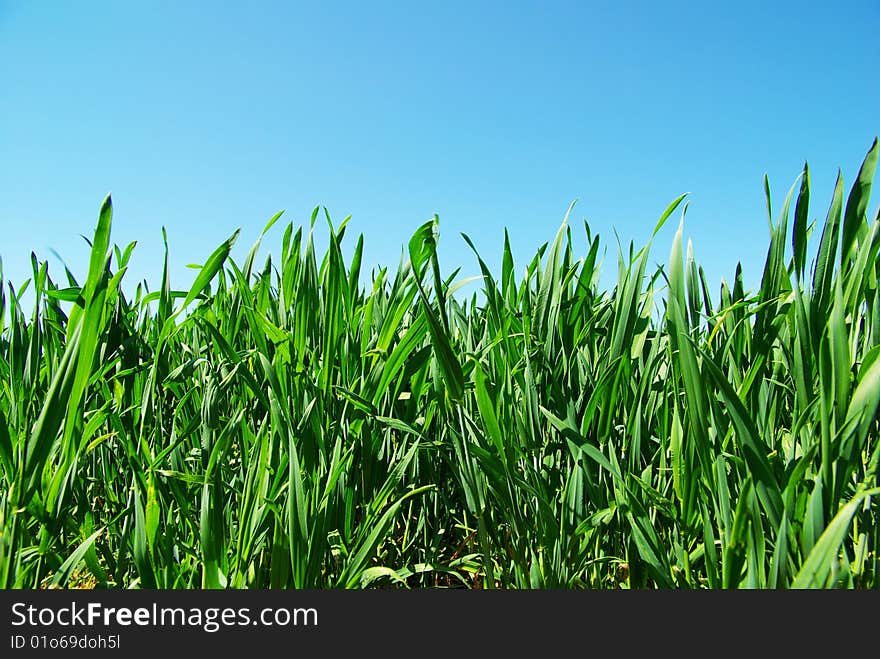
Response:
column 286, row 426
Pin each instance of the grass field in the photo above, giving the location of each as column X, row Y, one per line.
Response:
column 285, row 425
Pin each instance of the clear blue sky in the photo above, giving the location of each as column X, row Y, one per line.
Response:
column 204, row 118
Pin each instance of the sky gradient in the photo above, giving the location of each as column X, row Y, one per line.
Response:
column 203, row 119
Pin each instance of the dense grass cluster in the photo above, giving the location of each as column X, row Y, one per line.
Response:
column 287, row 426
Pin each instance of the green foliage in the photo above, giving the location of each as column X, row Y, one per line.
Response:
column 287, row 426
